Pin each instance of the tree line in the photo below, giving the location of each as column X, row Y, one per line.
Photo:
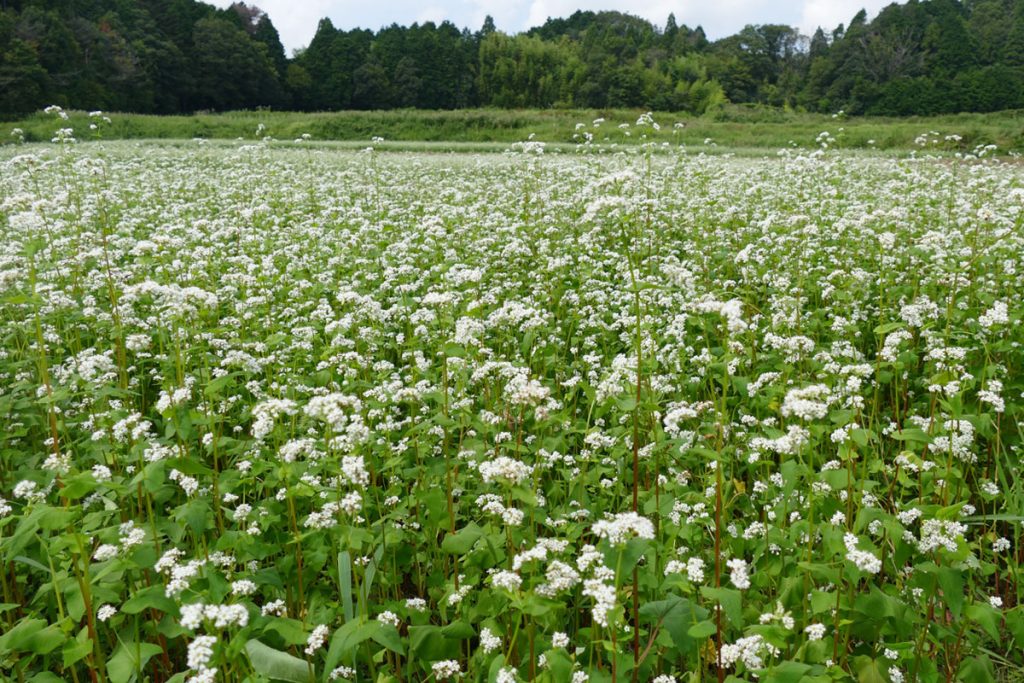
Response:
column 176, row 56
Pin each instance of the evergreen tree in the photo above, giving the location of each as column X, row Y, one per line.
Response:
column 488, row 28
column 23, row 80
column 232, row 72
column 267, row 34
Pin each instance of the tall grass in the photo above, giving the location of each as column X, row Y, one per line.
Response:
column 735, row 126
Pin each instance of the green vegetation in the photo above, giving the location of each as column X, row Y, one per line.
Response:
column 731, row 127
column 180, row 56
column 285, row 413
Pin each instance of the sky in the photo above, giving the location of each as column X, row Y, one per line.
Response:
column 296, row 20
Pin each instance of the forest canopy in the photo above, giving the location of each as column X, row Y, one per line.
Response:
column 180, row 56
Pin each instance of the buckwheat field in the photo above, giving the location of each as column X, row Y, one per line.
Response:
column 292, row 413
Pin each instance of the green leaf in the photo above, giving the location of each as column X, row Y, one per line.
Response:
column 787, row 672
column 453, row 350
column 32, row 635
column 537, row 606
column 559, row 664
column 986, row 616
column 868, row 670
column 458, row 630
column 195, row 514
column 277, row 665
column 32, row 563
column 290, row 630
column 624, row 558
column 214, row 387
column 912, row 434
column 429, row 644
column 462, row 541
column 876, row 605
column 701, row 630
column 994, row 518
column 79, row 486
column 129, row 659
column 977, row 670
column 496, row 665
column 704, row 452
column 16, row 638
column 837, row 479
column 345, row 641
column 389, row 637
column 861, row 437
column 368, row 576
column 822, row 601
column 76, row 650
column 730, row 600
column 526, row 343
column 952, row 583
column 56, row 519
column 275, row 339
column 46, row 677
column 152, row 597
column 1015, row 622
column 885, row 329
column 47, row 640
column 345, row 584
column 436, row 503
column 676, row 615
column 154, row 475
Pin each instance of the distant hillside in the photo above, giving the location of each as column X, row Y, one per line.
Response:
column 160, row 56
column 172, row 56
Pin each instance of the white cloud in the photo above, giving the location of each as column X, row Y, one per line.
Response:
column 508, row 16
column 828, row 14
column 540, row 10
column 295, row 20
column 433, row 13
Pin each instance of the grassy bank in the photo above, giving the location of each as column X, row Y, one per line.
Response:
column 732, row 127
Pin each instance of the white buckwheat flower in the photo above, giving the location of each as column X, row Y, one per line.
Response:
column 316, row 639
column 488, row 641
column 623, row 527
column 815, row 632
column 200, row 652
column 448, row 668
column 865, row 561
column 739, row 573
